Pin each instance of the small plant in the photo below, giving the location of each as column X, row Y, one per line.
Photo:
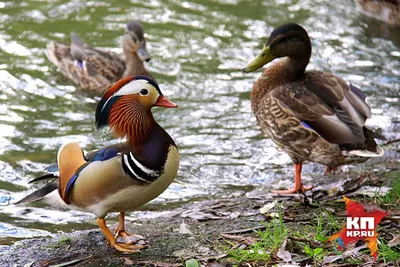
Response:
column 389, row 254
column 315, row 253
column 320, row 236
column 64, row 240
column 392, row 198
column 269, row 241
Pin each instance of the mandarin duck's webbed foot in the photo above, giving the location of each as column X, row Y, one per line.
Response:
column 129, row 238
column 111, row 240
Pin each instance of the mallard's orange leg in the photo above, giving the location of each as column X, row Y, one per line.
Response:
column 120, row 230
column 329, row 170
column 113, row 242
column 298, row 186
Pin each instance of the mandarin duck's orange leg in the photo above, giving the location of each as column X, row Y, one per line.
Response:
column 298, row 186
column 329, row 170
column 126, row 248
column 120, row 230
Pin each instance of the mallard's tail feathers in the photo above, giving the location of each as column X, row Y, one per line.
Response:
column 369, row 148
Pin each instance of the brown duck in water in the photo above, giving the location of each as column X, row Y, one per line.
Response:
column 385, row 10
column 313, row 116
column 96, row 70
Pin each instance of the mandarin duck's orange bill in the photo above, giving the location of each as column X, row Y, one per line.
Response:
column 96, row 70
column 313, row 116
column 119, row 177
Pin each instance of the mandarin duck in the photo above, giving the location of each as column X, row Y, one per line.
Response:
column 384, row 10
column 119, row 177
column 311, row 115
column 97, row 70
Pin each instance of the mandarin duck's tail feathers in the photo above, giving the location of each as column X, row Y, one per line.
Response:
column 40, row 193
column 43, row 177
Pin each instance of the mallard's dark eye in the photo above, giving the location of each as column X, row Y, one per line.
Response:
column 144, row 92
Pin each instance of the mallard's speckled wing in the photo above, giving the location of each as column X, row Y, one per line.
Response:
column 327, row 104
column 107, row 64
column 86, row 66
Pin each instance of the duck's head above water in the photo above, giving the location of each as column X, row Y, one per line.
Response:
column 134, row 42
column 288, row 40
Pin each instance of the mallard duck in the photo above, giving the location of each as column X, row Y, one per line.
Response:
column 94, row 69
column 385, row 10
column 313, row 116
column 119, row 177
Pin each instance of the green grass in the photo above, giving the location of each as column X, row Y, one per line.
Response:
column 392, row 198
column 269, row 240
column 64, row 240
column 307, row 240
column 388, row 254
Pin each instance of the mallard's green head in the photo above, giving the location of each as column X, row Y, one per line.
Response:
column 288, row 40
column 134, row 41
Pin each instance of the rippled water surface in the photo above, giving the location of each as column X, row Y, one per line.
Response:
column 198, row 49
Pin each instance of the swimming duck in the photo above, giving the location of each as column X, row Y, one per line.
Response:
column 94, row 69
column 385, row 10
column 119, row 177
column 313, row 116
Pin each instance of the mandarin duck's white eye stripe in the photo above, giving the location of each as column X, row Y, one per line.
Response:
column 133, row 87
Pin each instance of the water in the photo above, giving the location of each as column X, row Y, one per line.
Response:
column 198, row 49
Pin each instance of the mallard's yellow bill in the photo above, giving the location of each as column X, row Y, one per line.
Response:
column 263, row 58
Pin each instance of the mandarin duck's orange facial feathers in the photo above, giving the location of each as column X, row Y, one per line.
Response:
column 127, row 105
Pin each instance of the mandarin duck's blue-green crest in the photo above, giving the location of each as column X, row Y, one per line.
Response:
column 313, row 116
column 95, row 69
column 118, row 177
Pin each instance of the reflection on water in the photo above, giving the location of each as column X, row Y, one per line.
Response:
column 198, row 49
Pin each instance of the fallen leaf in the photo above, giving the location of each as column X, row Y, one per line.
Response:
column 394, row 242
column 283, row 254
column 128, row 261
column 267, row 207
column 353, row 253
column 246, row 240
column 69, row 263
column 184, row 229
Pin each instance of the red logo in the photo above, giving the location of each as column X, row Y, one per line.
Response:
column 360, row 225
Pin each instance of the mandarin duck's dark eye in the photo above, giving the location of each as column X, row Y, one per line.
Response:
column 144, row 92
